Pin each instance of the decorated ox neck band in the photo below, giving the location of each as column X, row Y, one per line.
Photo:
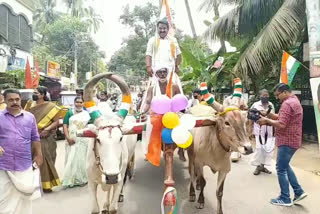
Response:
column 209, row 98
column 237, row 88
column 228, row 110
column 125, row 105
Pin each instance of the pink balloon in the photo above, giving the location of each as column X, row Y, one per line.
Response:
column 179, row 103
column 161, row 104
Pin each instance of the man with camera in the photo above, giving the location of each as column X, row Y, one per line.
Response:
column 264, row 138
column 288, row 125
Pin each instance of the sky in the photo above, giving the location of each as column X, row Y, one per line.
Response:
column 111, row 32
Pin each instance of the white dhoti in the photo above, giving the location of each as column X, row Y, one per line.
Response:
column 264, row 152
column 17, row 190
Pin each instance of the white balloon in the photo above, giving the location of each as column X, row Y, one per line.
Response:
column 188, row 121
column 180, row 135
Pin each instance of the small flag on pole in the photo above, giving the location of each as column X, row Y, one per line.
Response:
column 28, row 76
column 289, row 68
column 165, row 12
column 36, row 79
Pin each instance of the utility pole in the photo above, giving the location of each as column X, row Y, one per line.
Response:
column 76, row 64
column 190, row 19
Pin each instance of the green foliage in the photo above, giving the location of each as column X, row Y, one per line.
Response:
column 197, row 66
column 59, row 46
column 17, row 77
column 264, row 29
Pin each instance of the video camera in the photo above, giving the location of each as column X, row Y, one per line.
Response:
column 254, row 114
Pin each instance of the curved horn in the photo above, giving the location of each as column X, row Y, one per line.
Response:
column 126, row 96
column 237, row 92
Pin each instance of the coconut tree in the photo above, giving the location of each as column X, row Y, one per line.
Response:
column 265, row 28
column 213, row 5
column 77, row 9
column 44, row 14
column 92, row 18
column 186, row 2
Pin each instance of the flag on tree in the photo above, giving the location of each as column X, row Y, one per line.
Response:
column 28, row 76
column 289, row 68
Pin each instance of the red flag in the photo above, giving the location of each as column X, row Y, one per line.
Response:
column 35, row 81
column 28, row 76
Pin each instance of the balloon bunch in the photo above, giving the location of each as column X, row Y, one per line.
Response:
column 177, row 129
column 163, row 104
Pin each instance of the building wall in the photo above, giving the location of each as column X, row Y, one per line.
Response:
column 23, row 7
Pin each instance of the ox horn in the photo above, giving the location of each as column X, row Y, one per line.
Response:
column 237, row 92
column 126, row 96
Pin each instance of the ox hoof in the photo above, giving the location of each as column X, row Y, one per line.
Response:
column 192, row 198
column 198, row 186
column 104, row 212
column 120, row 198
column 170, row 200
column 200, row 206
column 113, row 212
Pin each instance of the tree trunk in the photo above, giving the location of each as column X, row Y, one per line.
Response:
column 223, row 48
column 190, row 19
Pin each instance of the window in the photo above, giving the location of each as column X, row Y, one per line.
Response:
column 15, row 29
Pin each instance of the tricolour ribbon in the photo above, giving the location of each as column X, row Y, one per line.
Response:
column 174, row 209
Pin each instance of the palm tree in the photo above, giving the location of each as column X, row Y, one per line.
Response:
column 75, row 7
column 92, row 18
column 264, row 27
column 209, row 5
column 87, row 14
column 44, row 13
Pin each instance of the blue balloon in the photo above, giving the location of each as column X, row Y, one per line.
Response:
column 166, row 136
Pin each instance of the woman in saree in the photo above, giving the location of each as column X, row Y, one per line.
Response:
column 47, row 116
column 76, row 147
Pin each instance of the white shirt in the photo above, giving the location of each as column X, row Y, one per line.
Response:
column 163, row 56
column 261, row 129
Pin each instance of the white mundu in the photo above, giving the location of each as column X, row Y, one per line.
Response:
column 17, row 190
column 265, row 140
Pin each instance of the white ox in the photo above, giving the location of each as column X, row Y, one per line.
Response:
column 111, row 150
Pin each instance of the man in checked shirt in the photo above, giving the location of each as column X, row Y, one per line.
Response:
column 288, row 125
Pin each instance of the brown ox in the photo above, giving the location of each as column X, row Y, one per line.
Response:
column 213, row 145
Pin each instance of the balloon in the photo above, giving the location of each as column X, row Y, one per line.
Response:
column 187, row 144
column 180, row 135
column 166, row 136
column 160, row 104
column 179, row 102
column 170, row 120
column 188, row 121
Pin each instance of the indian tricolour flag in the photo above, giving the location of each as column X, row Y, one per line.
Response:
column 289, row 68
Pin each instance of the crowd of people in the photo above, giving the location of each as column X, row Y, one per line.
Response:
column 27, row 136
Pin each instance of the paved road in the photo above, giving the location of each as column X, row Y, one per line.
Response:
column 244, row 193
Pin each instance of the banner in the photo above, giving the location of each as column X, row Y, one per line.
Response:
column 315, row 89
column 313, row 17
column 88, row 75
column 53, row 69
